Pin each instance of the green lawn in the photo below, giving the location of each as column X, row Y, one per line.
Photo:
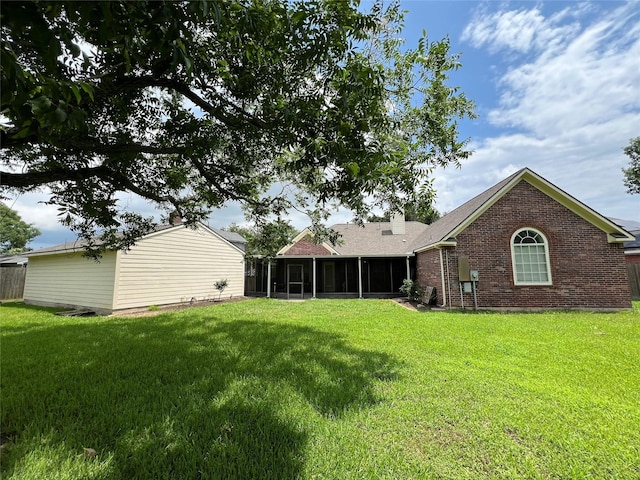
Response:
column 320, row 389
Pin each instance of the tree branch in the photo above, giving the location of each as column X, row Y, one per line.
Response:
column 38, row 178
column 184, row 89
column 93, row 145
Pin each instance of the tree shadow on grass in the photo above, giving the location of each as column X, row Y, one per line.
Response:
column 189, row 396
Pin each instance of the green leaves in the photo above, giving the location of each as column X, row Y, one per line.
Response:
column 632, row 173
column 193, row 104
column 14, row 232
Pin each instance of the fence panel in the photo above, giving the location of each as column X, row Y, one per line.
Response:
column 12, row 282
column 633, row 272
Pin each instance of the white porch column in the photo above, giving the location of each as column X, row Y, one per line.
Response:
column 314, row 277
column 359, row 277
column 408, row 270
column 269, row 279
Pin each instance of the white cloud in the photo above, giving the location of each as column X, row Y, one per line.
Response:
column 519, row 31
column 566, row 110
column 31, row 208
column 592, row 78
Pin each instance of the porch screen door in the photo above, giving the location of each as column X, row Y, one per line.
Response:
column 329, row 277
column 295, row 281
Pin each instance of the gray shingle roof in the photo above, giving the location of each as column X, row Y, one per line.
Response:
column 7, row 260
column 377, row 239
column 635, row 243
column 79, row 244
column 441, row 229
column 628, row 225
column 233, row 238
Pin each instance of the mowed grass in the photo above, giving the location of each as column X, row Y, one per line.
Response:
column 320, row 389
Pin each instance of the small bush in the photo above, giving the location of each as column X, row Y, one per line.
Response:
column 412, row 290
column 220, row 286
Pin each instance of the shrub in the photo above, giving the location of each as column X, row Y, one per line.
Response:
column 412, row 290
column 220, row 286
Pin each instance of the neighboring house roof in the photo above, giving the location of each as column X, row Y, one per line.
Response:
column 10, row 260
column 634, row 244
column 628, row 225
column 633, row 228
column 444, row 230
column 69, row 247
column 232, row 237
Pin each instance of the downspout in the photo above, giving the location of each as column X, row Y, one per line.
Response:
column 446, row 253
column 444, row 285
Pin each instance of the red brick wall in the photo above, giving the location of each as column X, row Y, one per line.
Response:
column 428, row 272
column 306, row 246
column 586, row 270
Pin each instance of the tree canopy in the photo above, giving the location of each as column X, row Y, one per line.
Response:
column 265, row 239
column 421, row 211
column 194, row 104
column 14, row 232
column 632, row 173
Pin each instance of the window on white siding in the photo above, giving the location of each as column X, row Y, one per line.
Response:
column 530, row 258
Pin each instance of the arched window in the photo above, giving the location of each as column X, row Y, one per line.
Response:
column 530, row 258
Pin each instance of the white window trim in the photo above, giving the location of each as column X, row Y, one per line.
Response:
column 546, row 255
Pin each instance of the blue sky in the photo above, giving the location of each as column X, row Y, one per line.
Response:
column 557, row 89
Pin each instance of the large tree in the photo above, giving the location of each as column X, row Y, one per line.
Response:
column 632, row 173
column 193, row 104
column 15, row 233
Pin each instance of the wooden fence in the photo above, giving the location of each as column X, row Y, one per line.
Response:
column 633, row 272
column 12, row 282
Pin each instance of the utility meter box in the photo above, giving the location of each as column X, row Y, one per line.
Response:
column 474, row 276
column 463, row 269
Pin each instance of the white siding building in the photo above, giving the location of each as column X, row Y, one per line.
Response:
column 172, row 265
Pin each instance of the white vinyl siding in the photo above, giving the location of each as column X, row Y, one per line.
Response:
column 530, row 257
column 175, row 266
column 69, row 279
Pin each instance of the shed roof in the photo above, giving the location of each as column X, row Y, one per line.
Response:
column 233, row 238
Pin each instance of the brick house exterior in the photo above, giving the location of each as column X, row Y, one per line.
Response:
column 531, row 245
column 585, row 251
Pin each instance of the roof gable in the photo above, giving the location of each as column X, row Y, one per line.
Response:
column 302, row 238
column 445, row 229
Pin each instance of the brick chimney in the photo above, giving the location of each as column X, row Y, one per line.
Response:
column 175, row 218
